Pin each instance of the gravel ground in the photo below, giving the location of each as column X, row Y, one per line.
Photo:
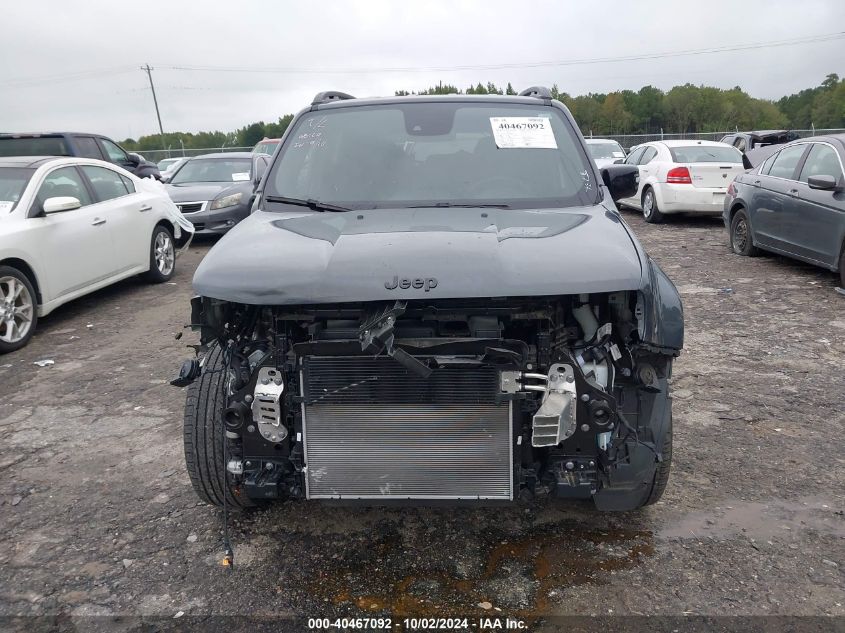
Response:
column 97, row 515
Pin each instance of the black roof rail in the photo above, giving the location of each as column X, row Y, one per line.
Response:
column 330, row 95
column 539, row 92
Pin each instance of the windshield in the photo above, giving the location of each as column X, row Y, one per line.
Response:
column 12, row 183
column 705, row 154
column 265, row 147
column 434, row 153
column 34, row 146
column 214, row 170
column 608, row 149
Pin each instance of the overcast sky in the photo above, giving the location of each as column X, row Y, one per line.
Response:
column 75, row 65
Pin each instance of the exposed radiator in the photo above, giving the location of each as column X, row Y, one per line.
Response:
column 372, row 430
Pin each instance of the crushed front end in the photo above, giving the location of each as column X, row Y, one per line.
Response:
column 475, row 400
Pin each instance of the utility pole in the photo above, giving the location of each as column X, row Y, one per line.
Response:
column 149, row 70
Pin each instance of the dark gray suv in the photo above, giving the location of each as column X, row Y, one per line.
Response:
column 435, row 300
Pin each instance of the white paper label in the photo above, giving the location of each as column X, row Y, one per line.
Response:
column 618, row 154
column 523, row 132
column 5, row 205
column 240, row 176
column 604, row 330
column 614, row 351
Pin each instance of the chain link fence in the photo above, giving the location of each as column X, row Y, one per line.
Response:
column 630, row 140
column 156, row 155
column 625, row 140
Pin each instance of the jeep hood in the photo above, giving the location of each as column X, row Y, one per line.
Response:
column 325, row 257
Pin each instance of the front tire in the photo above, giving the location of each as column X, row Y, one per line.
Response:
column 162, row 255
column 651, row 213
column 661, row 475
column 18, row 309
column 203, row 436
column 842, row 269
column 742, row 242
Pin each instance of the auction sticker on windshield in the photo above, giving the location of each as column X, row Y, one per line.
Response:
column 523, row 132
column 5, row 205
column 240, row 176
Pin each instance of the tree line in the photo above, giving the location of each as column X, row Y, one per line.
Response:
column 682, row 109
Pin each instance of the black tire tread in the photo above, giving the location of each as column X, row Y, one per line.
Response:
column 661, row 475
column 203, row 436
column 751, row 251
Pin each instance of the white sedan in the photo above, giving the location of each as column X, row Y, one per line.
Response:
column 69, row 226
column 682, row 177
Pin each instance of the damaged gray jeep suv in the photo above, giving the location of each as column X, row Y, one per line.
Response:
column 433, row 299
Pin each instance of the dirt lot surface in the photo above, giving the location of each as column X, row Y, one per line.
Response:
column 97, row 515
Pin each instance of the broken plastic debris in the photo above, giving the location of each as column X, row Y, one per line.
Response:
column 90, row 325
column 485, row 605
column 44, row 363
column 179, row 614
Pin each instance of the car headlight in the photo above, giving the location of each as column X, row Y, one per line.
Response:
column 226, row 201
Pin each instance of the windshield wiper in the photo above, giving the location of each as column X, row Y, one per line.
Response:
column 316, row 205
column 452, row 205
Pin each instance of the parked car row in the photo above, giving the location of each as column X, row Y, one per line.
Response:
column 93, row 146
column 69, row 226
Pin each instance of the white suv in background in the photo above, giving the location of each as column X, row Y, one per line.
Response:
column 682, row 177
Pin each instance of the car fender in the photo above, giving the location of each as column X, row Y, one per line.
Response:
column 8, row 250
column 660, row 311
column 652, row 182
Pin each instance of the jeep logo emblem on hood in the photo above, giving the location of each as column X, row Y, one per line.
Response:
column 428, row 283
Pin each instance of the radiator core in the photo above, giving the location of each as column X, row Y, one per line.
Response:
column 373, row 430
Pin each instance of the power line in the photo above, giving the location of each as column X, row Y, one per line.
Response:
column 811, row 39
column 23, row 82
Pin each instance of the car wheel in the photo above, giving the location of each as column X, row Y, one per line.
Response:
column 661, row 475
column 203, row 434
column 162, row 255
column 18, row 309
column 650, row 211
column 842, row 269
column 741, row 241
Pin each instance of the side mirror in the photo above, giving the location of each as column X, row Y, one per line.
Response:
column 826, row 183
column 134, row 158
column 61, row 203
column 621, row 180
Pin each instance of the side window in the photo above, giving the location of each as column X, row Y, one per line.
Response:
column 107, row 184
column 87, row 147
column 115, row 154
column 634, row 156
column 130, row 186
column 62, row 182
column 764, row 170
column 821, row 161
column 648, row 156
column 740, row 144
column 786, row 162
